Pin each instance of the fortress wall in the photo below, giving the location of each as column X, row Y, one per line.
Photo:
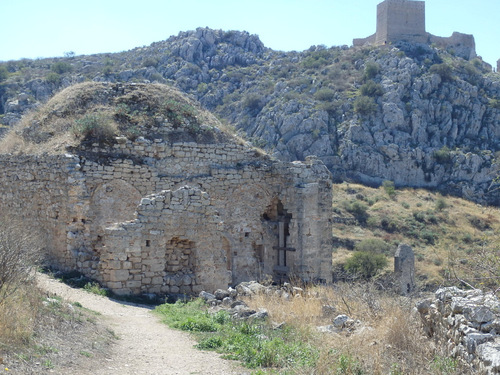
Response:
column 463, row 45
column 95, row 205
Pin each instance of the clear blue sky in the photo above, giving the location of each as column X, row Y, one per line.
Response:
column 48, row 28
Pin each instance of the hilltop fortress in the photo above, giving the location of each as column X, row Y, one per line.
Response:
column 404, row 20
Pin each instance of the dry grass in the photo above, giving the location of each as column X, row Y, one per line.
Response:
column 19, row 316
column 388, row 339
column 444, row 239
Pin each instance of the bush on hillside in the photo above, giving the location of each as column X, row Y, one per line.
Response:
column 365, row 105
column 4, row 73
column 444, row 70
column 443, row 155
column 389, row 188
column 372, row 89
column 324, row 94
column 95, row 127
column 61, row 67
column 373, row 246
column 364, row 264
column 359, row 211
column 371, row 70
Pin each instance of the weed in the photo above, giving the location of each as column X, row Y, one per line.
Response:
column 444, row 365
column 85, row 354
column 48, row 364
column 95, row 288
column 96, row 127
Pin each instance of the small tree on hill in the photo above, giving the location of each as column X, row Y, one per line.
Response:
column 364, row 264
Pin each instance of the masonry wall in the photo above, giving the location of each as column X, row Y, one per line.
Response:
column 399, row 20
column 104, row 228
column 467, row 323
column 39, row 191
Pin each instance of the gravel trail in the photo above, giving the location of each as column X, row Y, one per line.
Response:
column 145, row 345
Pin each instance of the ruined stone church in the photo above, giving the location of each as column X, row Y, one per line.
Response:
column 178, row 210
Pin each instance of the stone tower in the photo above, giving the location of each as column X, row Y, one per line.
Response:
column 404, row 268
column 404, row 20
column 400, row 20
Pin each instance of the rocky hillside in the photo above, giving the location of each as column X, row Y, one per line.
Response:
column 412, row 114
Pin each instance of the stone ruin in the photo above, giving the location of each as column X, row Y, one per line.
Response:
column 404, row 269
column 467, row 323
column 170, row 216
column 404, row 20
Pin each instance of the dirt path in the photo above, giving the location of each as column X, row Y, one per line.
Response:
column 145, row 346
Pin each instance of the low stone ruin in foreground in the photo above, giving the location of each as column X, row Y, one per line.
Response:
column 468, row 323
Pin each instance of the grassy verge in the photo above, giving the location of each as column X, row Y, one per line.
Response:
column 386, row 338
column 256, row 343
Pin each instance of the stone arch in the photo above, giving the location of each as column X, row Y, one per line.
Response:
column 113, row 202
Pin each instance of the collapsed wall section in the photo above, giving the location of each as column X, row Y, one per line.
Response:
column 174, row 246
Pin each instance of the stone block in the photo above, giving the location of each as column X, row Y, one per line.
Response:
column 157, row 280
column 119, row 275
column 133, row 284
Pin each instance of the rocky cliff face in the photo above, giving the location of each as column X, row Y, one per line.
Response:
column 409, row 113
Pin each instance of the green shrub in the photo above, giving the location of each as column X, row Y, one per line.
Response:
column 494, row 103
column 150, row 62
column 389, row 188
column 4, row 73
column 365, row 105
column 359, row 211
column 441, row 204
column 61, row 67
column 95, row 127
column 324, row 94
column 428, row 236
column 372, row 89
column 95, row 288
column 53, row 78
column 444, row 70
column 365, row 264
column 373, row 246
column 443, row 155
column 253, row 102
column 371, row 70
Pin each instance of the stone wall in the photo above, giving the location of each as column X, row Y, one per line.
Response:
column 400, row 20
column 130, row 215
column 468, row 324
